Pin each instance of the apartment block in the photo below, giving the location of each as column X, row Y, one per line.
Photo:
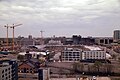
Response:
column 8, row 70
column 94, row 54
column 88, row 52
column 70, row 55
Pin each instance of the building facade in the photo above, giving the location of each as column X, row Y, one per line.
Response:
column 27, row 67
column 103, row 40
column 94, row 54
column 5, row 72
column 8, row 70
column 75, row 55
column 116, row 35
column 44, row 74
column 70, row 55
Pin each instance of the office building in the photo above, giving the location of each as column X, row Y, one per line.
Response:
column 94, row 54
column 70, row 55
column 88, row 52
column 44, row 74
column 103, row 40
column 116, row 35
column 5, row 72
column 8, row 70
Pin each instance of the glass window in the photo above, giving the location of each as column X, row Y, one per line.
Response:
column 3, row 71
column 2, row 76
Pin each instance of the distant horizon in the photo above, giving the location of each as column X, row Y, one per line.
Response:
column 63, row 36
column 60, row 17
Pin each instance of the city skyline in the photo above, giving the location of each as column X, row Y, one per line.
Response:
column 60, row 17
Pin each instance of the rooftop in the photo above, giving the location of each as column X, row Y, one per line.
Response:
column 93, row 48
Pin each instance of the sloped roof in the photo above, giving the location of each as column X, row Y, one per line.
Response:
column 28, row 63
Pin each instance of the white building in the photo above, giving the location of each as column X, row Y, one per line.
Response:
column 55, row 42
column 70, row 55
column 93, row 52
column 5, row 71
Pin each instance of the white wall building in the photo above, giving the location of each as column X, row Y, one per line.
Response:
column 55, row 42
column 91, row 52
column 94, row 54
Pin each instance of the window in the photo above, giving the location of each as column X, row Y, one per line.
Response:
column 70, row 55
column 3, row 71
column 70, row 59
column 9, row 76
column 2, row 76
column 5, row 74
column 6, row 78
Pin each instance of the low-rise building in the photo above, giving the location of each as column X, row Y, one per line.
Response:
column 103, row 40
column 70, row 55
column 27, row 67
column 88, row 52
column 94, row 54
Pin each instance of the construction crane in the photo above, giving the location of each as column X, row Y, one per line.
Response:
column 7, row 34
column 13, row 27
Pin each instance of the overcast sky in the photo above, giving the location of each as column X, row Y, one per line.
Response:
column 60, row 17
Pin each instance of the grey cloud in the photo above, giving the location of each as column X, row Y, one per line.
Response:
column 93, row 2
column 53, row 14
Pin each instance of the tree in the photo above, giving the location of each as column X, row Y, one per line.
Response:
column 75, row 66
column 108, row 68
column 97, row 65
column 78, row 67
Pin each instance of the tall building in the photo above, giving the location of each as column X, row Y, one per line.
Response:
column 116, row 35
column 43, row 74
column 8, row 70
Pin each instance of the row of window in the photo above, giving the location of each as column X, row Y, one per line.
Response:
column 71, row 59
column 6, row 76
column 72, row 52
column 94, row 52
column 5, row 70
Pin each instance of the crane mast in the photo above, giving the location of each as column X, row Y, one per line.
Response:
column 13, row 27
